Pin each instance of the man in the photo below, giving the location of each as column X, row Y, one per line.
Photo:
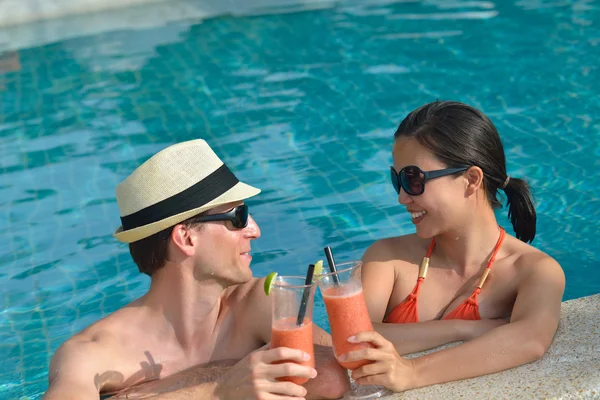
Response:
column 183, row 215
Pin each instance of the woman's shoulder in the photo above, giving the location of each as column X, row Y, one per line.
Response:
column 410, row 248
column 533, row 262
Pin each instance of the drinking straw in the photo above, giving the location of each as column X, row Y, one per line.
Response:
column 331, row 262
column 305, row 294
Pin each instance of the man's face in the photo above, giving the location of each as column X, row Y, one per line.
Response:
column 223, row 251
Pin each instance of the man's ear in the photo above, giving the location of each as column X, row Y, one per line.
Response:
column 183, row 237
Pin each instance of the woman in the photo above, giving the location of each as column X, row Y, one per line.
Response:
column 448, row 167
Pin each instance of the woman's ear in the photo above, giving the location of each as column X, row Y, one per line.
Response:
column 474, row 177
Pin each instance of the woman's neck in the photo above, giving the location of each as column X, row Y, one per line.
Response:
column 466, row 248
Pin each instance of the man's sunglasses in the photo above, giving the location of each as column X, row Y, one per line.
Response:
column 412, row 179
column 238, row 217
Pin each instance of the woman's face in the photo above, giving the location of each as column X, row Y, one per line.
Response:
column 444, row 204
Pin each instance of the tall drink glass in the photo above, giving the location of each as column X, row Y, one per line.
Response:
column 348, row 315
column 292, row 324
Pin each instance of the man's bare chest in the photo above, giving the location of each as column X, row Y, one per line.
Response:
column 150, row 360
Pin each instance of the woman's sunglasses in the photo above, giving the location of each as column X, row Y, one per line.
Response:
column 238, row 217
column 412, row 179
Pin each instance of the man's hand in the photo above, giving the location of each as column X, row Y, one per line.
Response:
column 254, row 377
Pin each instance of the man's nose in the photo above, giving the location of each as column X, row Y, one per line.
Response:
column 252, row 230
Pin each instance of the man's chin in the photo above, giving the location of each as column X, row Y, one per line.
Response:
column 248, row 275
column 243, row 277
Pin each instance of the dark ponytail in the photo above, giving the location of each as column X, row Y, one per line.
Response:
column 460, row 135
column 521, row 210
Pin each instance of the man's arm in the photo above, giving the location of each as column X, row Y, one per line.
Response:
column 332, row 379
column 222, row 382
column 80, row 369
column 255, row 376
column 196, row 382
column 72, row 372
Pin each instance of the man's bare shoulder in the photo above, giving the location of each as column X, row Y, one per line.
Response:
column 91, row 347
column 85, row 361
column 251, row 307
column 81, row 349
column 96, row 345
column 114, row 328
column 246, row 297
column 241, row 291
column 76, row 366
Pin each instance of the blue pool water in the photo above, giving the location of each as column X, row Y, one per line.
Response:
column 303, row 105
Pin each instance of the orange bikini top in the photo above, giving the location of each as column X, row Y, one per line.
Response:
column 407, row 312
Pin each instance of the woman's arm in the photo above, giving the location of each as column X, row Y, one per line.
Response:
column 526, row 338
column 412, row 338
column 378, row 280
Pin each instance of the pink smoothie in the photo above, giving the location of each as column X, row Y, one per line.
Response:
column 348, row 316
column 285, row 333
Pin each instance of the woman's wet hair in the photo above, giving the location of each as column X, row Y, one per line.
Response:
column 458, row 134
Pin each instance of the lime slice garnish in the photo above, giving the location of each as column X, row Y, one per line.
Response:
column 318, row 269
column 269, row 282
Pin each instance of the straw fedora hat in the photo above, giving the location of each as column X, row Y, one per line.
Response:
column 173, row 185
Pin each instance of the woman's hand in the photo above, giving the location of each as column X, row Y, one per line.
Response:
column 387, row 369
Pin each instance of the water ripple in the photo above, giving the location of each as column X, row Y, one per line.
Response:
column 466, row 15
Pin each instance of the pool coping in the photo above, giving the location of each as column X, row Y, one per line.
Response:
column 31, row 23
column 570, row 368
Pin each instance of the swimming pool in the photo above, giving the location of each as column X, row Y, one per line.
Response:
column 303, row 105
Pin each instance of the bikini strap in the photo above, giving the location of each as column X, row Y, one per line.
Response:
column 430, row 249
column 425, row 262
column 492, row 258
column 423, row 268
